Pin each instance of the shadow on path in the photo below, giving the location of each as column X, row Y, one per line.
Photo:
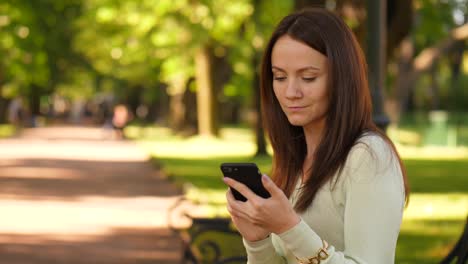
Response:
column 121, row 246
column 68, row 195
column 70, row 179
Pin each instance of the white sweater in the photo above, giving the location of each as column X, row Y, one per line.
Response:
column 359, row 217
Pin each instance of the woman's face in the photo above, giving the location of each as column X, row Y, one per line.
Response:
column 300, row 82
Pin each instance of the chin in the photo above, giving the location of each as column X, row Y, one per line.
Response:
column 297, row 122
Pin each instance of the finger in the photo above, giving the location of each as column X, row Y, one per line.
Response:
column 235, row 207
column 270, row 186
column 241, row 188
column 230, row 197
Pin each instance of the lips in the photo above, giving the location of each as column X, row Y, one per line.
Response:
column 295, row 108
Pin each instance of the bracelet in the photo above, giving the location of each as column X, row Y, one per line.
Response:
column 322, row 254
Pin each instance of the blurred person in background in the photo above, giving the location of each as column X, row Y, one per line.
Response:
column 120, row 119
column 16, row 112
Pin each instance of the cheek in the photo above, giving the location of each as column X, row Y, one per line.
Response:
column 319, row 91
column 325, row 103
column 277, row 93
column 316, row 93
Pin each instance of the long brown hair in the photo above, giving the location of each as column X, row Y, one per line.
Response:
column 349, row 113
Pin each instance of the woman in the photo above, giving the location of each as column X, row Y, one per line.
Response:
column 338, row 187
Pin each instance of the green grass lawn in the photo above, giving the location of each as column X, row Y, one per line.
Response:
column 6, row 130
column 438, row 177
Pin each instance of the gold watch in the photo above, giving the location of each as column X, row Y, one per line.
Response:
column 322, row 254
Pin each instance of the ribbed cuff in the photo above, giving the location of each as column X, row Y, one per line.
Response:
column 259, row 250
column 301, row 240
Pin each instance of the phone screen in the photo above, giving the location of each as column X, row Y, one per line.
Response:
column 248, row 174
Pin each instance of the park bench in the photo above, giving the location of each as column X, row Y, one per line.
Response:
column 204, row 239
column 200, row 249
column 460, row 250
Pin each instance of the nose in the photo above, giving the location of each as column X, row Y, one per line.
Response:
column 293, row 90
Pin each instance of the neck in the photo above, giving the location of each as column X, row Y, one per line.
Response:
column 313, row 135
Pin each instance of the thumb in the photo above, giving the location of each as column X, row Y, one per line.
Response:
column 269, row 185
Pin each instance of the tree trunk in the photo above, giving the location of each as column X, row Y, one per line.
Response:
column 134, row 98
column 3, row 108
column 34, row 104
column 206, row 98
column 354, row 12
column 456, row 61
column 177, row 110
column 3, row 102
column 259, row 131
column 434, row 88
column 190, row 105
column 399, row 21
column 376, row 59
column 221, row 71
column 414, row 67
column 162, row 115
column 404, row 79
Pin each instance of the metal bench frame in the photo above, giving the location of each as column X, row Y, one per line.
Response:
column 195, row 248
column 460, row 250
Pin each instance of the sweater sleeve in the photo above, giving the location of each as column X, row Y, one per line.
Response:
column 262, row 252
column 373, row 210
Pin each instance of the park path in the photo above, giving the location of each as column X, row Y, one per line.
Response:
column 68, row 195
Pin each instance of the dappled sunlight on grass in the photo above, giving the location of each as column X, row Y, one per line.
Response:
column 233, row 142
column 205, row 173
column 427, row 241
column 200, row 148
column 437, row 176
column 404, row 136
column 150, row 133
column 433, row 152
column 437, row 207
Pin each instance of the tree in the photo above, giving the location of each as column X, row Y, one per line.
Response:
column 412, row 67
column 262, row 27
column 36, row 47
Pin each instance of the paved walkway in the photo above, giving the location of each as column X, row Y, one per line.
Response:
column 67, row 195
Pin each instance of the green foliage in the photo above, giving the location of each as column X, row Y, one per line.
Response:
column 35, row 45
column 7, row 131
column 68, row 45
column 434, row 20
column 21, row 48
column 148, row 42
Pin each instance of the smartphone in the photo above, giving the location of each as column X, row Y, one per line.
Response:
column 248, row 174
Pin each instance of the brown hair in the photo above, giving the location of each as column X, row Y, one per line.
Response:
column 349, row 114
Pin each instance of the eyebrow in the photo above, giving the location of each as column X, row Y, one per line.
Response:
column 299, row 70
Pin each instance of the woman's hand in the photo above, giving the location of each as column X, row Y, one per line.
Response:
column 274, row 214
column 249, row 231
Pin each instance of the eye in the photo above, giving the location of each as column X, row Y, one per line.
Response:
column 279, row 78
column 309, row 79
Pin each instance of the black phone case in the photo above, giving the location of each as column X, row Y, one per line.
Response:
column 248, row 174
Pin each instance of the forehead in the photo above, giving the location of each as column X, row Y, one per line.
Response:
column 289, row 53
